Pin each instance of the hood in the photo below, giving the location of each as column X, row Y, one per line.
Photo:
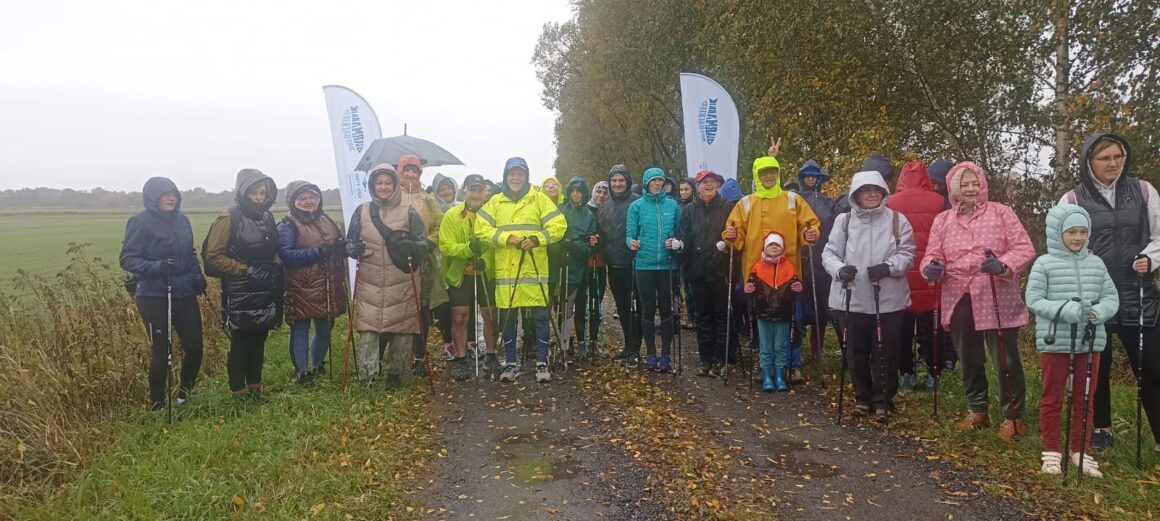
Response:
column 879, row 163
column 388, row 170
column 247, row 178
column 649, row 175
column 156, row 187
column 440, row 179
column 953, row 182
column 574, row 183
column 939, row 168
column 619, row 170
column 1085, row 172
column 296, row 188
column 410, row 160
column 731, row 191
column 759, row 189
column 592, row 195
column 811, row 167
column 516, row 162
column 559, row 198
column 915, row 177
column 1059, row 219
column 867, row 178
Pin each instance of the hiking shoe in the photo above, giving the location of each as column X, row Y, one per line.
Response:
column 1011, row 430
column 665, row 364
column 906, row 383
column 182, row 397
column 651, row 363
column 706, row 369
column 1101, row 439
column 717, row 370
column 795, row 376
column 882, row 415
column 861, row 411
column 473, row 351
column 623, row 355
column 419, row 368
column 1090, row 467
column 1051, row 463
column 542, row 374
column 974, row 420
column 631, row 362
column 460, row 369
column 491, row 366
column 949, row 365
column 510, row 374
column 449, row 351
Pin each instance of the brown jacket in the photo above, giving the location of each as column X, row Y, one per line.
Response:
column 315, row 284
column 385, row 295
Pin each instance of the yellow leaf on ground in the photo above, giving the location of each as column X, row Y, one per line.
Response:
column 317, row 509
column 238, row 501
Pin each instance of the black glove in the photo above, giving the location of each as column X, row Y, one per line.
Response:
column 847, row 273
column 326, row 250
column 478, row 265
column 992, row 266
column 169, row 266
column 416, row 249
column 199, row 284
column 356, row 249
column 259, row 273
column 878, row 272
column 934, row 271
column 475, row 247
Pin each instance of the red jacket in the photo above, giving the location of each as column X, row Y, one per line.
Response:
column 916, row 199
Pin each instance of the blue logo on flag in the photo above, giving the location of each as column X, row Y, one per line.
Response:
column 707, row 120
column 352, row 130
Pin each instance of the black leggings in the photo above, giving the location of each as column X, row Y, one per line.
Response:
column 656, row 293
column 1130, row 338
column 244, row 362
column 620, row 281
column 187, row 327
column 923, row 323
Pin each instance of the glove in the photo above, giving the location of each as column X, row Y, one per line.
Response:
column 1073, row 313
column 934, row 271
column 169, row 266
column 750, row 287
column 326, row 250
column 356, row 249
column 796, row 287
column 416, row 249
column 478, row 265
column 721, row 246
column 992, row 266
column 535, row 240
column 475, row 247
column 878, row 272
column 199, row 284
column 259, row 273
column 678, row 245
column 847, row 273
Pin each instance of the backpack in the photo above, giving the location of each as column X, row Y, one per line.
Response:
column 846, row 228
column 210, row 270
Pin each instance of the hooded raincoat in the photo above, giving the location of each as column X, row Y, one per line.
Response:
column 612, row 221
column 770, row 209
column 315, row 281
column 527, row 213
column 823, row 207
column 960, row 243
column 875, row 236
column 559, row 198
column 438, row 181
column 916, row 199
column 653, row 219
column 1061, row 275
column 153, row 236
column 425, row 204
column 574, row 250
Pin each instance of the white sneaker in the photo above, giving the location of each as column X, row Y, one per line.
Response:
column 510, row 374
column 449, row 351
column 1051, row 461
column 542, row 374
column 1090, row 467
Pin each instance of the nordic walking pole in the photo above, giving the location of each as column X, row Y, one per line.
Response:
column 1002, row 345
column 677, row 327
column 419, row 314
column 1140, row 357
column 819, row 328
column 878, row 335
column 169, row 349
column 674, row 316
column 350, row 327
column 552, row 323
column 842, row 342
column 1089, row 334
column 934, row 343
column 728, row 317
column 1070, row 398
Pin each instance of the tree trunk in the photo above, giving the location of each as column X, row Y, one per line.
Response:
column 1062, row 102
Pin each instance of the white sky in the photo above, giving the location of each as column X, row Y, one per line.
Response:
column 111, row 93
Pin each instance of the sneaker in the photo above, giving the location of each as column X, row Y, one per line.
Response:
column 623, row 355
column 542, row 374
column 449, row 351
column 861, row 411
column 665, row 364
column 1101, row 439
column 1051, row 463
column 616, row 316
column 419, row 367
column 795, row 376
column 1090, row 467
column 882, row 415
column 706, row 369
column 182, row 397
column 473, row 351
column 949, row 365
column 973, row 420
column 651, row 363
column 1011, row 430
column 491, row 366
column 510, row 374
column 631, row 362
column 179, row 401
column 460, row 369
column 906, row 383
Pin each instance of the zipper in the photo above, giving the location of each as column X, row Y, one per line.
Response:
column 660, row 226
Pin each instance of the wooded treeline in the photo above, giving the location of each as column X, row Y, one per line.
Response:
column 1012, row 84
column 99, row 198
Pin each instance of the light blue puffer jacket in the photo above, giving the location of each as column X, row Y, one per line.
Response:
column 653, row 219
column 1061, row 275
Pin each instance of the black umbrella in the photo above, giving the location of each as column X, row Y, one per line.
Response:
column 390, row 149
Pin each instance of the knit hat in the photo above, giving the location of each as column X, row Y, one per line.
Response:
column 879, row 163
column 774, row 238
column 938, row 170
column 1075, row 220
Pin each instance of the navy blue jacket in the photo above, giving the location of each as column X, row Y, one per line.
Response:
column 152, row 236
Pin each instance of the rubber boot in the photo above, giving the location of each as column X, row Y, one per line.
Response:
column 767, row 379
column 779, row 380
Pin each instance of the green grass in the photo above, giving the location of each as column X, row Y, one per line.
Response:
column 311, row 452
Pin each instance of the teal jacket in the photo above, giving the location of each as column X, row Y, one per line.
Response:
column 1060, row 276
column 653, row 219
column 570, row 256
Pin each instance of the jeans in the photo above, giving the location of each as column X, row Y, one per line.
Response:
column 773, row 351
column 305, row 359
column 508, row 319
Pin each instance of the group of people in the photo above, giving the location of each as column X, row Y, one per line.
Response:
column 933, row 262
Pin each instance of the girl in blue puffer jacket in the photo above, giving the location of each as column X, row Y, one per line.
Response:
column 1069, row 287
column 652, row 226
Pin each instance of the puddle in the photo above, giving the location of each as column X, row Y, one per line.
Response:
column 787, row 455
column 526, row 470
column 539, row 455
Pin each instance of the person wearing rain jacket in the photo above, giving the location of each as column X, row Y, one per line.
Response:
column 158, row 254
column 981, row 301
column 773, row 284
column 242, row 249
column 312, row 250
column 915, row 199
column 389, row 241
column 869, row 251
column 445, row 191
column 938, row 178
column 571, row 256
column 597, row 271
column 612, row 231
column 651, row 228
column 873, row 162
column 520, row 223
column 469, row 267
column 1125, row 233
column 1068, row 287
column 433, row 293
column 811, row 180
column 551, row 188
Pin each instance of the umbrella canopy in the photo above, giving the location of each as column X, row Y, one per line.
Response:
column 390, row 149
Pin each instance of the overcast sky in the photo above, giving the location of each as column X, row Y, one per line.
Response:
column 110, row 93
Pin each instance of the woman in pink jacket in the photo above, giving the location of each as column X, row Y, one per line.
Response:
column 977, row 250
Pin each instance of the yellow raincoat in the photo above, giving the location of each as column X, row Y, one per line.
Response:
column 769, row 209
column 532, row 214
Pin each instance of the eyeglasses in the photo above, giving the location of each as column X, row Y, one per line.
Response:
column 1115, row 158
